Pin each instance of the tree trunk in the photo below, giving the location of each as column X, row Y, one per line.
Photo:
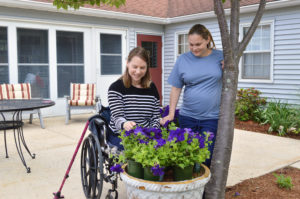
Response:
column 232, row 51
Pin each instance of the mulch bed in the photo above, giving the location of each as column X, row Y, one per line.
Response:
column 256, row 127
column 265, row 187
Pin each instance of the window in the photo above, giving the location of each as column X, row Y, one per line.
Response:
column 33, row 64
column 256, row 61
column 3, row 56
column 183, row 44
column 70, row 60
column 111, row 54
column 152, row 48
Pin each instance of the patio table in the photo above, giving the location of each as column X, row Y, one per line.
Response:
column 16, row 106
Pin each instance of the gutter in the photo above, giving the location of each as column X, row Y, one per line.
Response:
column 42, row 6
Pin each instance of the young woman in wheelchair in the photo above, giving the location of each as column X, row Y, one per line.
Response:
column 133, row 99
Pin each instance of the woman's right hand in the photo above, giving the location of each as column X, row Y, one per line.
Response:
column 129, row 125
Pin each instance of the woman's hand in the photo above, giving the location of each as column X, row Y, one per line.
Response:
column 165, row 119
column 129, row 125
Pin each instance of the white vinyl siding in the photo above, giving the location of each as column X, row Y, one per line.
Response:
column 286, row 58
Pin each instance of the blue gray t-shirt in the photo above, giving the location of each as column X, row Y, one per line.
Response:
column 202, row 78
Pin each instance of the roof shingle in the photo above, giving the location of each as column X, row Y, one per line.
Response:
column 166, row 8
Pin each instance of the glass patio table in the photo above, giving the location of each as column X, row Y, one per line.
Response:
column 17, row 106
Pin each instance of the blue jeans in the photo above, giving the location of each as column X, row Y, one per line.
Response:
column 201, row 126
column 114, row 139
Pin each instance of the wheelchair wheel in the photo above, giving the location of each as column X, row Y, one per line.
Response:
column 91, row 168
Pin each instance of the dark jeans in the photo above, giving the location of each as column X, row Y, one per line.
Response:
column 201, row 126
column 113, row 139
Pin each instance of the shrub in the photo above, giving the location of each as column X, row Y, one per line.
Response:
column 248, row 103
column 281, row 117
column 284, row 182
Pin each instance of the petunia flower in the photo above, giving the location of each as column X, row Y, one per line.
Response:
column 138, row 130
column 143, row 141
column 160, row 142
column 157, row 171
column 211, row 136
column 117, row 168
column 166, row 124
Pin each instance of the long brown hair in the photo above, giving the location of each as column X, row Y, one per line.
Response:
column 144, row 55
column 201, row 30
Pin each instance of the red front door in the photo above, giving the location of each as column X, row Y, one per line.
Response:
column 154, row 45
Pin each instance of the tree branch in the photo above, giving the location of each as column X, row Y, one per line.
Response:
column 243, row 44
column 227, row 48
column 234, row 25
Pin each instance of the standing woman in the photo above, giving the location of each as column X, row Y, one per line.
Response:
column 200, row 71
column 133, row 99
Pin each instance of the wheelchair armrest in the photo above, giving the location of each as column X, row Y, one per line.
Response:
column 101, row 123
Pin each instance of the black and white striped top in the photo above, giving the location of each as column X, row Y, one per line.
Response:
column 140, row 105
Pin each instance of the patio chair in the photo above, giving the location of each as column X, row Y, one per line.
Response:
column 82, row 96
column 20, row 91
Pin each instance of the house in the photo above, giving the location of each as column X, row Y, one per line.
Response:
column 90, row 45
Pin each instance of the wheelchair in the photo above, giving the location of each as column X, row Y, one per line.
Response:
column 97, row 157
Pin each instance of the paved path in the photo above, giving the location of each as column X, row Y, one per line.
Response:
column 253, row 154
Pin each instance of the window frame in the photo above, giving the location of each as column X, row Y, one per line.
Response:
column 245, row 25
column 176, row 37
column 84, row 40
column 32, row 27
column 98, row 50
column 7, row 42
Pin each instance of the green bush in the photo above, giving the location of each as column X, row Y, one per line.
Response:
column 248, row 104
column 281, row 117
column 284, row 182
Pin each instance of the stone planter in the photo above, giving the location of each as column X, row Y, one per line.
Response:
column 143, row 189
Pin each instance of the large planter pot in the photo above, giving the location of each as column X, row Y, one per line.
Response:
column 143, row 189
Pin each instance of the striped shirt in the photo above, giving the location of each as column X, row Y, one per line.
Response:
column 140, row 105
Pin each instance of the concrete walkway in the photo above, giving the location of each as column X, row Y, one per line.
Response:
column 253, row 155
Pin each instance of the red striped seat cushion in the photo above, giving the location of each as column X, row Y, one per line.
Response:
column 82, row 95
column 15, row 91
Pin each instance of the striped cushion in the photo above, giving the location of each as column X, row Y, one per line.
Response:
column 81, row 102
column 82, row 95
column 15, row 91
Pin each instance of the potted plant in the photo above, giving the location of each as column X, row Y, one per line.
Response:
column 157, row 149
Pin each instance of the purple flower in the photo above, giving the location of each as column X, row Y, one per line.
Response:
column 161, row 111
column 157, row 133
column 143, row 141
column 128, row 133
column 166, row 124
column 178, row 134
column 157, row 171
column 211, row 136
column 117, row 168
column 138, row 130
column 166, row 111
column 201, row 141
column 237, row 194
column 160, row 142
